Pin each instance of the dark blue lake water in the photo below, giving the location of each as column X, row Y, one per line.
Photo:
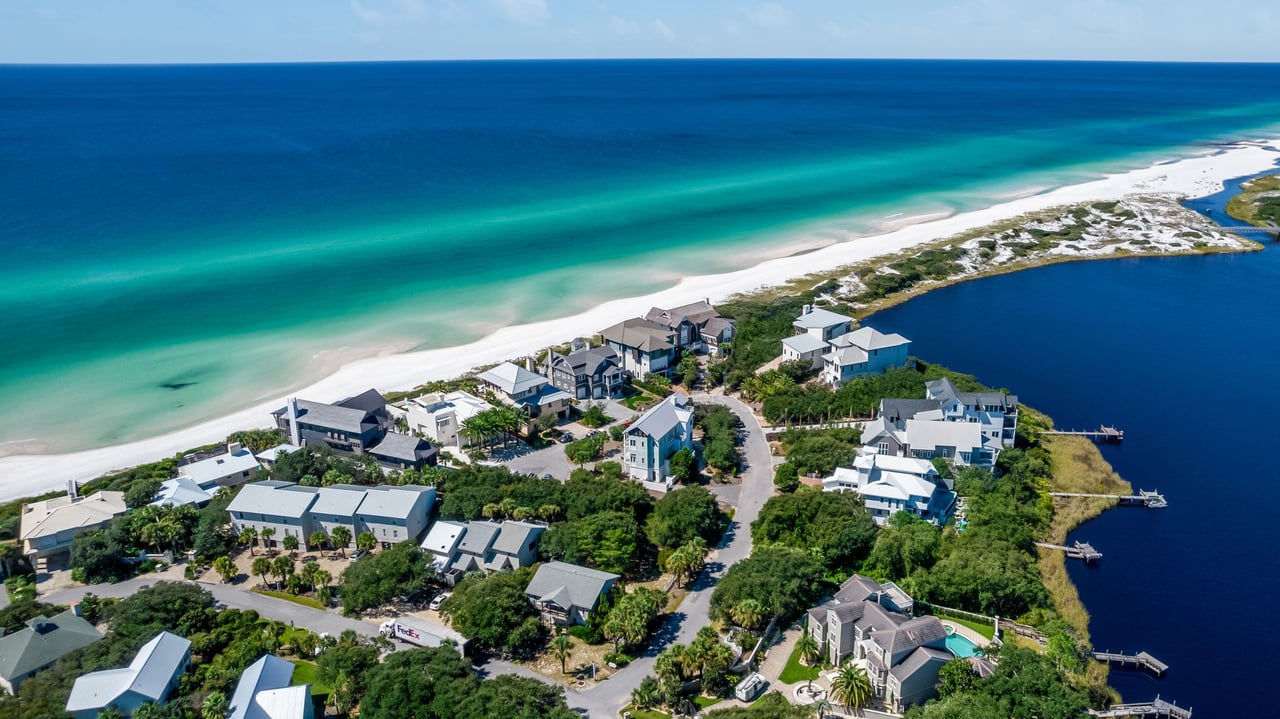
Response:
column 1180, row 353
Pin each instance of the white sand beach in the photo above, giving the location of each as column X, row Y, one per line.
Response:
column 25, row 475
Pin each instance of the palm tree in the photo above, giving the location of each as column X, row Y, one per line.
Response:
column 310, row 574
column 748, row 613
column 261, row 567
column 561, row 648
column 821, row 708
column 341, row 537
column 266, row 534
column 225, row 568
column 291, row 543
column 809, row 650
column 248, row 536
column 851, row 687
column 282, row 566
column 366, row 541
column 548, row 512
column 215, row 706
column 318, row 539
column 646, row 695
column 322, row 578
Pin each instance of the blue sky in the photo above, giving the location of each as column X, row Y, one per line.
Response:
column 127, row 31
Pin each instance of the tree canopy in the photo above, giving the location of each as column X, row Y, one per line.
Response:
column 686, row 513
column 385, row 576
column 783, row 580
column 834, row 524
column 493, row 612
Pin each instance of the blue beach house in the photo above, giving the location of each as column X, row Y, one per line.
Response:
column 863, row 352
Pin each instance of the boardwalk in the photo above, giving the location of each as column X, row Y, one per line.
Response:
column 1152, row 500
column 1141, row 661
column 1078, row 550
column 1101, row 434
column 1154, row 709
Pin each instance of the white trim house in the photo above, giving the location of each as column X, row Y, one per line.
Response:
column 657, row 434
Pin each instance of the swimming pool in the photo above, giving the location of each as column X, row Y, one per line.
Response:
column 960, row 646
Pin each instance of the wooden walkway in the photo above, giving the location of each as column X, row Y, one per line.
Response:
column 1143, row 498
column 1154, row 709
column 1101, row 434
column 1078, row 550
column 1141, row 661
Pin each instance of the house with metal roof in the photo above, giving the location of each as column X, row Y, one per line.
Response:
column 862, row 352
column 524, row 388
column 649, row 441
column 356, row 425
column 566, row 594
column 282, row 507
column 47, row 527
column 697, row 326
column 462, row 547
column 395, row 513
column 42, row 642
column 587, row 373
column 960, row 442
column 439, row 417
column 822, row 324
column 890, row 484
column 404, row 451
column 265, row 691
column 269, row 457
column 150, row 677
column 997, row 412
column 868, row 623
column 644, row 347
column 806, row 347
column 235, row 467
column 181, row 492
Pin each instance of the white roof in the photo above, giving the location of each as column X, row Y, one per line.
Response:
column 443, row 538
column 512, row 378
column 180, row 491
column 273, row 454
column 869, row 339
column 846, row 356
column 208, row 471
column 894, row 463
column 148, row 676
column 818, row 318
column 340, row 500
column 286, row 703
column 844, row 477
column 272, row 498
column 662, row 417
column 928, row 434
column 804, row 343
column 395, row 502
column 906, row 484
column 48, row 517
column 267, row 674
column 464, row 405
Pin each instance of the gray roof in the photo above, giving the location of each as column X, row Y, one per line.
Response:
column 945, row 389
column 568, row 585
column 699, row 313
column 515, row 535
column 265, row 498
column 876, row 427
column 266, row 674
column 586, row 361
column 148, row 676
column 401, row 446
column 903, row 409
column 869, row 338
column 640, row 334
column 715, row 326
column 332, row 416
column 662, row 417
column 396, row 502
column 850, row 612
column 340, row 500
column 369, row 400
column 511, row 378
column 479, row 537
column 214, row 468
column 911, row 634
column 804, row 343
column 857, row 588
column 42, row 642
column 918, row 660
column 818, row 318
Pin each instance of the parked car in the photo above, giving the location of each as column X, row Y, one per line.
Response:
column 357, row 554
column 309, row 558
column 565, row 438
column 438, row 601
column 548, row 475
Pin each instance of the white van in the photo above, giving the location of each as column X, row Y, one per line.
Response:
column 750, row 688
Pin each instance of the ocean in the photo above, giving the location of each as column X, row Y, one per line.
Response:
column 183, row 241
column 1177, row 352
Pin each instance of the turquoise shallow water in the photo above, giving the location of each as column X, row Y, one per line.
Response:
column 180, row 241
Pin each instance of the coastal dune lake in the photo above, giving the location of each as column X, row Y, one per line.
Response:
column 1181, row 354
column 182, row 242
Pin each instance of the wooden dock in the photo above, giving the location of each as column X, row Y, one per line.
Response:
column 1152, row 500
column 1102, row 434
column 1078, row 550
column 1141, row 661
column 1154, row 709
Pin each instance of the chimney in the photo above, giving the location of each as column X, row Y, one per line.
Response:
column 549, row 356
column 75, row 609
column 806, row 309
column 528, row 363
column 73, row 491
column 295, row 437
column 234, row 448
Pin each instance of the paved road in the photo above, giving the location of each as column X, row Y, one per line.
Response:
column 608, row 697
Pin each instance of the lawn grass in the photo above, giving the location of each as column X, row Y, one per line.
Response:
column 305, row 672
column 704, row 702
column 985, row 630
column 795, row 672
column 304, row 601
column 645, row 713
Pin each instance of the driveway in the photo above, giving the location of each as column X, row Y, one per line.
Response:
column 548, row 460
column 608, row 697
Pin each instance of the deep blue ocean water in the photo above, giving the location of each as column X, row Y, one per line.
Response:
column 179, row 242
column 1179, row 353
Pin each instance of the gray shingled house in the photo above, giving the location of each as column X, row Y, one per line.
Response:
column 44, row 641
column 566, row 593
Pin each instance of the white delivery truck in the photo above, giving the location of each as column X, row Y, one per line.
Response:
column 421, row 633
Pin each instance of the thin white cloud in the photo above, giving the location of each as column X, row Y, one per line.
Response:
column 367, row 14
column 523, row 12
column 768, row 15
column 661, row 30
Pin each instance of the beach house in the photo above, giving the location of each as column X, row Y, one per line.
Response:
column 393, row 513
column 961, row 443
column 47, row 527
column 461, row 547
column 821, row 324
column 587, row 372
column 644, row 347
column 266, row 691
column 890, row 484
column 356, row 425
column 524, row 388
column 439, row 417
column 695, row 327
column 649, row 442
column 997, row 412
column 862, row 352
column 566, row 594
column 150, row 678
column 43, row 641
column 181, row 491
column 869, row 624
column 235, row 467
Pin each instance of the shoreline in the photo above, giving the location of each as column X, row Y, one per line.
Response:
column 1199, row 175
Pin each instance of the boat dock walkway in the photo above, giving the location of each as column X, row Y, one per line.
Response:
column 1078, row 550
column 1141, row 660
column 1143, row 498
column 1154, row 709
column 1101, row 434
